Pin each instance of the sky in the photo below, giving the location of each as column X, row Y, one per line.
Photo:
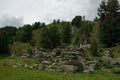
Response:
column 20, row 12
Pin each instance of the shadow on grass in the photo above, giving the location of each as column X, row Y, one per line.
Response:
column 2, row 56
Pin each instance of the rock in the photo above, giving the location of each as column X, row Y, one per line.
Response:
column 46, row 62
column 31, row 67
column 106, row 59
column 113, row 62
column 26, row 66
column 36, row 66
column 19, row 65
column 109, row 53
column 43, row 50
column 14, row 66
column 23, row 57
column 90, row 67
column 13, row 55
column 70, row 68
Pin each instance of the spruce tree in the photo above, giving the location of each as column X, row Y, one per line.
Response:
column 109, row 17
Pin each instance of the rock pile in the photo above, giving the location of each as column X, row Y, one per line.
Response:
column 65, row 60
column 70, row 60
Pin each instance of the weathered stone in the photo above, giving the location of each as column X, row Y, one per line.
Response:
column 70, row 68
column 13, row 55
column 14, row 66
column 19, row 65
column 109, row 53
column 31, row 67
column 36, row 66
column 106, row 58
column 23, row 57
column 26, row 66
column 46, row 62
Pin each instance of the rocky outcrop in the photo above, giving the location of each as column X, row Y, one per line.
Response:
column 65, row 60
column 69, row 60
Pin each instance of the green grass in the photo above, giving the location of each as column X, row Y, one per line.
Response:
column 20, row 47
column 9, row 73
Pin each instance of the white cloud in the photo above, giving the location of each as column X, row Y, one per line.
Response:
column 47, row 10
column 8, row 20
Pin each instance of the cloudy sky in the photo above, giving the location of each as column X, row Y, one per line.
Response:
column 19, row 12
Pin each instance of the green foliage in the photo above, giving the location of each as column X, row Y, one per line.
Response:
column 36, row 25
column 18, row 47
column 95, row 40
column 85, row 30
column 76, row 39
column 11, row 31
column 4, row 42
column 50, row 37
column 77, row 21
column 82, row 35
column 66, row 33
column 109, row 17
column 24, row 34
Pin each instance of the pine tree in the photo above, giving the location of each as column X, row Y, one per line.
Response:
column 109, row 17
column 4, row 42
column 66, row 33
column 50, row 37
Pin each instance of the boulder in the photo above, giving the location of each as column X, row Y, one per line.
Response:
column 106, row 59
column 70, row 68
column 90, row 66
column 46, row 62
column 31, row 67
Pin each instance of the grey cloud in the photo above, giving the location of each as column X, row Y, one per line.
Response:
column 7, row 20
column 92, row 8
column 47, row 10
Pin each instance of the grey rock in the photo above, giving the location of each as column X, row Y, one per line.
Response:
column 70, row 68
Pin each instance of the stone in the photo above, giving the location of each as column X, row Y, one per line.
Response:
column 36, row 66
column 43, row 50
column 90, row 67
column 26, row 66
column 70, row 68
column 19, row 65
column 23, row 57
column 14, row 66
column 13, row 55
column 31, row 67
column 46, row 62
column 109, row 53
column 106, row 59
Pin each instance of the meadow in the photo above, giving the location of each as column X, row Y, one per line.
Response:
column 10, row 73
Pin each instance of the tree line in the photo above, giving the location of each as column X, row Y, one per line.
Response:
column 104, row 30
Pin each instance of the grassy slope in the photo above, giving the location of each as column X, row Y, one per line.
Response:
column 9, row 73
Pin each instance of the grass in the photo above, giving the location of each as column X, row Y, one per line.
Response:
column 9, row 73
column 19, row 47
